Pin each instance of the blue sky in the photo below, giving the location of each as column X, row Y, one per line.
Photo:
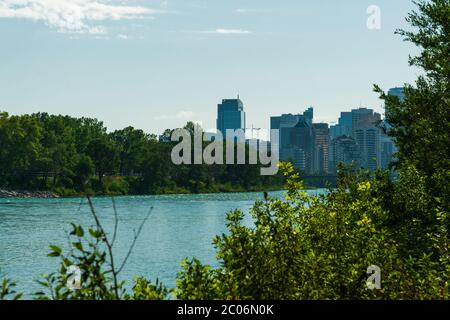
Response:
column 157, row 64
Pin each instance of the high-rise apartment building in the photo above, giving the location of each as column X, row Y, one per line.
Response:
column 366, row 132
column 368, row 140
column 321, row 134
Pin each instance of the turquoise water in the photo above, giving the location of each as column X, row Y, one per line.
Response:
column 180, row 226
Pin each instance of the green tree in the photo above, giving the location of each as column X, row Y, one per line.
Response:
column 421, row 123
column 104, row 154
column 84, row 169
column 19, row 148
column 131, row 144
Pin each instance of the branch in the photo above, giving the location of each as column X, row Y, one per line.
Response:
column 116, row 221
column 108, row 245
column 136, row 236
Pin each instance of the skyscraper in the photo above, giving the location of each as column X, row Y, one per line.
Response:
column 388, row 147
column 321, row 137
column 302, row 144
column 284, row 123
column 359, row 127
column 368, row 139
column 397, row 92
column 364, row 117
column 309, row 115
column 366, row 132
column 344, row 126
column 230, row 115
column 296, row 138
column 344, row 149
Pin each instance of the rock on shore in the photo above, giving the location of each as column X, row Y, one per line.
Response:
column 27, row 194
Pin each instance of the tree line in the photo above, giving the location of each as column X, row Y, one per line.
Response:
column 72, row 156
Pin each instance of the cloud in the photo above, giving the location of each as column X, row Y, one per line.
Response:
column 228, row 31
column 73, row 16
column 232, row 31
column 161, row 117
column 245, row 11
column 185, row 115
column 240, row 10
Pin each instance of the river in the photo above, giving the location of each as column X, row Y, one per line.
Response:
column 179, row 226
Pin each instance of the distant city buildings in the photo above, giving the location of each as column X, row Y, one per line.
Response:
column 364, row 142
column 360, row 137
column 317, row 149
column 304, row 143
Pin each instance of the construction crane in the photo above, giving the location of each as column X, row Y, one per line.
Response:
column 253, row 129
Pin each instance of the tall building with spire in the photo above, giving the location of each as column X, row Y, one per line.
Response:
column 230, row 115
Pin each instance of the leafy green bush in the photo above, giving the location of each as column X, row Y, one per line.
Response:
column 319, row 247
column 92, row 255
column 115, row 186
column 7, row 290
column 143, row 289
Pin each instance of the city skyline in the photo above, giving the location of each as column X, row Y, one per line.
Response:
column 315, row 148
column 158, row 64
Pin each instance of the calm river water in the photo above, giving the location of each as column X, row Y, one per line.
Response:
column 180, row 226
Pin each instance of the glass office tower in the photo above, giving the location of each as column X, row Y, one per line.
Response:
column 230, row 115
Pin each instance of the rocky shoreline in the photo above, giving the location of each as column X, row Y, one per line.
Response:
column 27, row 194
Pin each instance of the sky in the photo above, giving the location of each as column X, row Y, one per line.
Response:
column 158, row 64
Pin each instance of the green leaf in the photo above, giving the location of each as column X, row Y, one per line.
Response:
column 79, row 232
column 78, row 246
column 56, row 251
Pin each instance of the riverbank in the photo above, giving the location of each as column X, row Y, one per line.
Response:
column 11, row 194
column 7, row 194
column 70, row 193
